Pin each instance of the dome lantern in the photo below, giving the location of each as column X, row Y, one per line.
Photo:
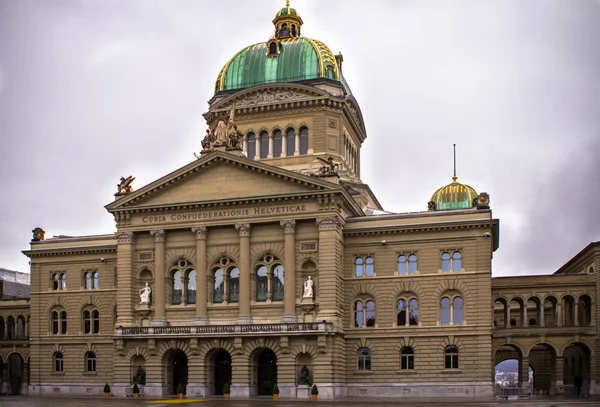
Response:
column 287, row 23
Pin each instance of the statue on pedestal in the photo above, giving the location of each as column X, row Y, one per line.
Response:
column 145, row 294
column 308, row 288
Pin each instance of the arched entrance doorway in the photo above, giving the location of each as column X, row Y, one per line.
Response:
column 266, row 374
column 221, row 370
column 576, row 369
column 542, row 358
column 177, row 371
column 15, row 373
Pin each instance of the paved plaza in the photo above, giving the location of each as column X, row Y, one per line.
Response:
column 21, row 401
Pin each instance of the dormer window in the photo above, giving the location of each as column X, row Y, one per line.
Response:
column 273, row 48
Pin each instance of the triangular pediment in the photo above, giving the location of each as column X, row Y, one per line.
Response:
column 221, row 176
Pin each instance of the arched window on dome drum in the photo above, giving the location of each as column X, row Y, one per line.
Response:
column 290, row 139
column 177, row 288
column 251, row 143
column 303, row 140
column 277, row 136
column 273, row 48
column 264, row 144
column 191, row 287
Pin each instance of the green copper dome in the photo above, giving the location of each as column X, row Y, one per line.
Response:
column 286, row 11
column 294, row 59
column 453, row 196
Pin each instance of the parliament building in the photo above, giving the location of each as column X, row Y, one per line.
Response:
column 267, row 260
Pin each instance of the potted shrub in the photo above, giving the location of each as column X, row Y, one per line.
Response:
column 179, row 391
column 226, row 391
column 314, row 392
column 275, row 391
column 106, row 390
column 136, row 391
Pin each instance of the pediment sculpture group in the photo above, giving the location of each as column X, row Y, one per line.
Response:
column 224, row 134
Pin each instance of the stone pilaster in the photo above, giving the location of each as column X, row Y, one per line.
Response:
column 525, row 322
column 244, row 316
column 289, row 264
column 159, row 296
column 524, row 371
column 201, row 281
column 557, row 376
column 331, row 269
column 125, row 278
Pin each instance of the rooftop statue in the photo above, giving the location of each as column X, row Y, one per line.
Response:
column 38, row 234
column 329, row 167
column 124, row 187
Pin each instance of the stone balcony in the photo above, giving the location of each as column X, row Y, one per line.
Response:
column 312, row 328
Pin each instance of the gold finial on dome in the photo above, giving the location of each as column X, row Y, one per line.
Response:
column 287, row 3
column 454, row 178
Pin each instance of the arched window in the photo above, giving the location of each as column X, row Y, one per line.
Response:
column 451, row 357
column 191, row 287
column 359, row 266
column 294, row 30
column 269, row 279
column 532, row 322
column 273, row 48
column 290, row 141
column 451, row 310
column 55, row 281
column 406, row 306
column 407, row 264
column 177, row 287
column 412, row 264
column 251, row 143
column 218, row 285
column 10, row 327
column 262, row 283
column 264, row 144
column 364, row 313
column 87, row 280
column 95, row 280
column 277, row 143
column 303, row 140
column 57, row 361
column 58, row 322
column 402, row 264
column 364, row 359
column 63, row 281
column 90, row 362
column 91, row 322
column 234, row 285
column 451, row 262
column 369, row 266
column 407, row 358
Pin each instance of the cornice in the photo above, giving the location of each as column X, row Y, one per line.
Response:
column 417, row 228
column 62, row 251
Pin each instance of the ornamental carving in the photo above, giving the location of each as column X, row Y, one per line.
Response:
column 159, row 236
column 243, row 229
column 271, row 96
column 122, row 218
column 126, row 238
column 329, row 223
column 201, row 232
column 289, row 226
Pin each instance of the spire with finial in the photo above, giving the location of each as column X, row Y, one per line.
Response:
column 454, row 178
column 287, row 23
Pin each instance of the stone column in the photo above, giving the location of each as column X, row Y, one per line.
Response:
column 125, row 276
column 297, row 143
column 576, row 314
column 557, row 378
column 270, row 154
column 507, row 316
column 159, row 294
column 289, row 264
column 331, row 246
column 525, row 322
column 542, row 315
column 524, row 371
column 257, row 150
column 244, row 316
column 201, row 281
column 559, row 314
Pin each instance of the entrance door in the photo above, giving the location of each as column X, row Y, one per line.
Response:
column 178, row 372
column 267, row 372
column 15, row 373
column 222, row 370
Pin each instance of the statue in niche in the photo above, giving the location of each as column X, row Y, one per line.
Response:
column 308, row 288
column 145, row 294
column 304, row 376
column 140, row 376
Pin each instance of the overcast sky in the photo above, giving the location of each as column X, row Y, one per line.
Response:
column 94, row 90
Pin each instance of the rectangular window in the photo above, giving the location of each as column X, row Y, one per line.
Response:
column 408, row 362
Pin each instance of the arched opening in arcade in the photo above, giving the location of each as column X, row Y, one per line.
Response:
column 511, row 372
column 576, row 369
column 219, row 370
column 265, row 362
column 15, row 373
column 542, row 358
column 176, row 371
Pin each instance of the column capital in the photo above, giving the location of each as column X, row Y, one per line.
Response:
column 126, row 238
column 289, row 226
column 243, row 229
column 330, row 223
column 159, row 235
column 201, row 232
